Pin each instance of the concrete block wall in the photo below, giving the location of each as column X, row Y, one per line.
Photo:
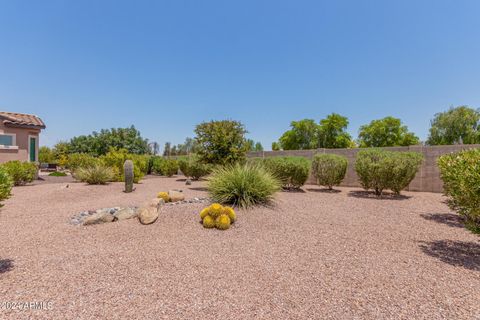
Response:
column 427, row 178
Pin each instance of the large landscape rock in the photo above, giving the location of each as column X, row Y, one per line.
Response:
column 125, row 213
column 156, row 203
column 176, row 195
column 148, row 215
column 97, row 218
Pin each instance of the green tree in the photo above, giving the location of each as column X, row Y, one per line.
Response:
column 250, row 145
column 275, row 146
column 46, row 155
column 221, row 142
column 386, row 132
column 99, row 143
column 258, row 146
column 303, row 135
column 455, row 126
column 167, row 149
column 332, row 134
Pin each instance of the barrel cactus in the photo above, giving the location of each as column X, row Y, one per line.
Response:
column 230, row 213
column 208, row 222
column 129, row 177
column 215, row 210
column 164, row 195
column 222, row 222
column 218, row 216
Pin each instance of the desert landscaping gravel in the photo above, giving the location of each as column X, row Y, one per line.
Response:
column 312, row 255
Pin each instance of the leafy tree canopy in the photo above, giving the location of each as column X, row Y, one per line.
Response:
column 99, row 143
column 302, row 135
column 221, row 142
column 332, row 132
column 386, row 132
column 455, row 126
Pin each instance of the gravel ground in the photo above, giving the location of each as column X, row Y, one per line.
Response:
column 313, row 255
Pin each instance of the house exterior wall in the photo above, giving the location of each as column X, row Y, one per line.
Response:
column 427, row 178
column 22, row 142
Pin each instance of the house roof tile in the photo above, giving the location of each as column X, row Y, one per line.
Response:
column 21, row 120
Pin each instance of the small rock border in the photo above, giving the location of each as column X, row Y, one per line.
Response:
column 194, row 200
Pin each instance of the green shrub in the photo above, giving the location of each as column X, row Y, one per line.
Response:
column 193, row 167
column 21, row 172
column 115, row 159
column 460, row 173
column 242, row 185
column 379, row 169
column 97, row 174
column 329, row 169
column 46, row 155
column 58, row 174
column 292, row 172
column 79, row 160
column 164, row 166
column 6, row 184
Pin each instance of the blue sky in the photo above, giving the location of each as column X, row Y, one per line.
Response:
column 165, row 66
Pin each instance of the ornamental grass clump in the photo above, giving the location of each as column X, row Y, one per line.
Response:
column 218, row 216
column 329, row 169
column 242, row 185
column 292, row 172
column 97, row 174
column 460, row 173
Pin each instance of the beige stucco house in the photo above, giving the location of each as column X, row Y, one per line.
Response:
column 19, row 136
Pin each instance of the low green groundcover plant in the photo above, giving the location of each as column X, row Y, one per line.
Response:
column 193, row 167
column 242, row 185
column 6, row 184
column 21, row 172
column 292, row 172
column 379, row 169
column 58, row 174
column 460, row 173
column 329, row 169
column 97, row 174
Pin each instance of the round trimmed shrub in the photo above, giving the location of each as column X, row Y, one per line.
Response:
column 6, row 185
column 293, row 172
column 378, row 169
column 242, row 185
column 21, row 172
column 329, row 169
column 193, row 167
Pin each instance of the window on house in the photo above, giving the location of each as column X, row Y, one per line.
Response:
column 6, row 140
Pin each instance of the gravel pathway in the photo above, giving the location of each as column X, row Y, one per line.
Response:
column 313, row 255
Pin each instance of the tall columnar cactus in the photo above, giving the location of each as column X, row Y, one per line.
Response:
column 128, row 174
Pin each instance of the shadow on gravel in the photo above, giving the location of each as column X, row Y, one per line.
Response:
column 6, row 265
column 324, row 190
column 455, row 253
column 371, row 195
column 450, row 219
column 198, row 189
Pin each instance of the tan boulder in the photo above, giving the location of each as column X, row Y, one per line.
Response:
column 148, row 215
column 98, row 218
column 125, row 213
column 176, row 195
column 156, row 203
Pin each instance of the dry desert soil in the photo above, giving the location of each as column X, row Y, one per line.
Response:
column 312, row 255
